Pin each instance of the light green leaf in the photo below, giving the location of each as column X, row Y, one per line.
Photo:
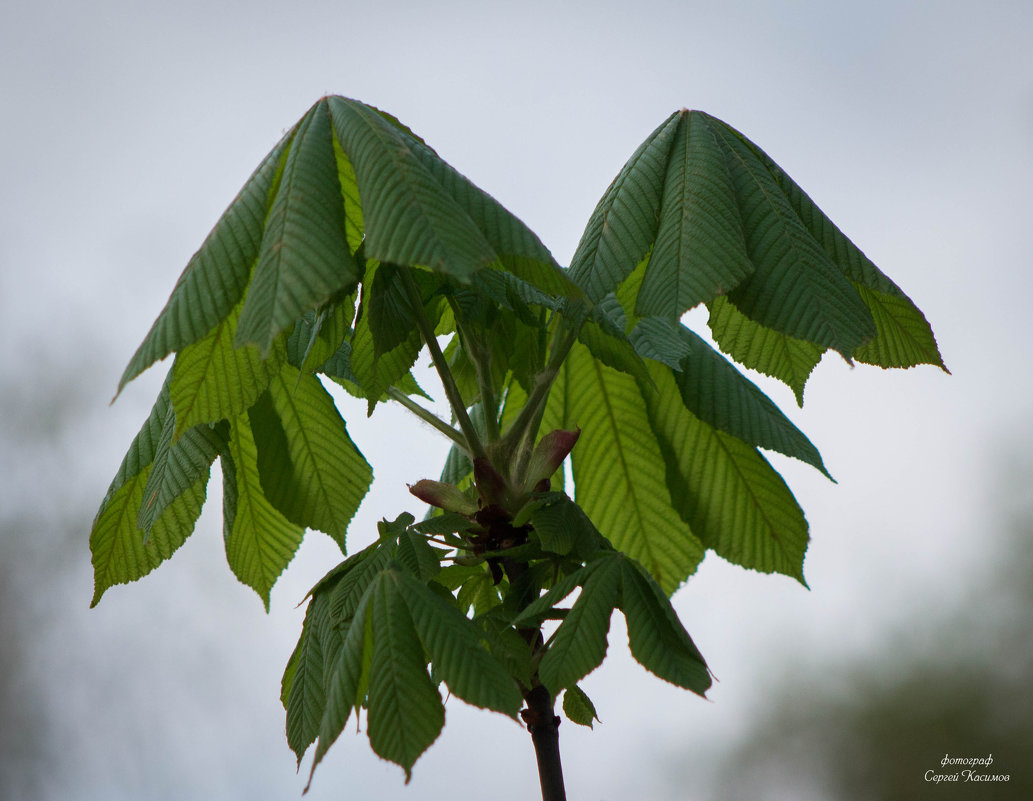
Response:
column 216, row 276
column 304, row 257
column 457, row 649
column 904, row 337
column 700, row 249
column 619, row 474
column 121, row 551
column 213, row 380
column 578, row 707
column 178, row 465
column 657, row 638
column 310, row 469
column 718, row 394
column 579, row 644
column 735, row 502
column 770, row 352
column 260, row 542
column 408, row 218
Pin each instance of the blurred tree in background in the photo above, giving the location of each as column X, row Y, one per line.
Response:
column 957, row 684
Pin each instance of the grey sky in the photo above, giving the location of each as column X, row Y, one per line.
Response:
column 127, row 128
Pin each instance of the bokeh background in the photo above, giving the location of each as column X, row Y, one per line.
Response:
column 128, row 126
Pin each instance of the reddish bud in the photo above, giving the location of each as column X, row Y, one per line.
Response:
column 444, row 496
column 548, row 455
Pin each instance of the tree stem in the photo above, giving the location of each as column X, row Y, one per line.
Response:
column 543, row 724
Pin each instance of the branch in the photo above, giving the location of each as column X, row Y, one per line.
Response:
column 474, row 445
column 428, row 417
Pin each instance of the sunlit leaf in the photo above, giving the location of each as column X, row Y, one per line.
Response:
column 260, row 541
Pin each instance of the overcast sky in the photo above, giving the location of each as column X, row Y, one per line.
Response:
column 128, row 127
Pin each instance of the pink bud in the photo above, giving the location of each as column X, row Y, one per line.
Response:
column 548, row 455
column 444, row 496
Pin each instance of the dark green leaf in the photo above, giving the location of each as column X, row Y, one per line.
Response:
column 457, row 650
column 718, row 394
column 623, row 226
column 579, row 644
column 216, row 276
column 304, row 257
column 700, row 250
column 657, row 638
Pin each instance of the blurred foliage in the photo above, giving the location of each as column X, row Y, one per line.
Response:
column 959, row 687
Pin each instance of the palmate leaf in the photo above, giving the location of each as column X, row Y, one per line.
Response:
column 408, row 218
column 216, row 276
column 619, row 474
column 657, row 638
column 795, row 287
column 304, row 258
column 121, row 551
column 904, row 337
column 310, row 469
column 304, row 694
column 260, row 541
column 706, row 213
column 735, row 502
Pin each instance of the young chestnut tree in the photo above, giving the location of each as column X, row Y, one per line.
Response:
column 351, row 249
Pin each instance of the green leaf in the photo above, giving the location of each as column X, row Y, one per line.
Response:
column 212, row 380
column 578, row 707
column 408, row 218
column 904, row 337
column 579, row 644
column 318, row 335
column 619, row 474
column 657, row 638
column 306, row 697
column 718, row 394
column 623, row 226
column 310, row 469
column 216, row 276
column 260, row 542
column 700, row 249
column 763, row 349
column 178, row 465
column 562, row 527
column 795, row 288
column 457, row 650
column 304, row 257
column 405, row 711
column 121, row 552
column 735, row 502
column 659, row 339
column 349, row 676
